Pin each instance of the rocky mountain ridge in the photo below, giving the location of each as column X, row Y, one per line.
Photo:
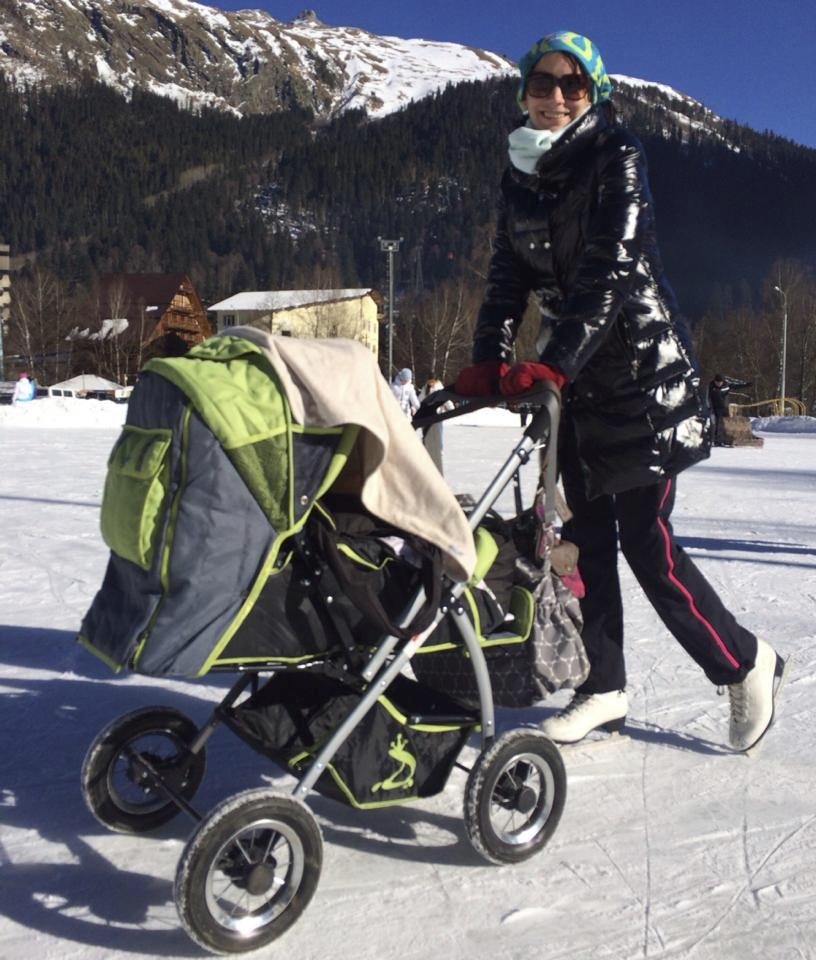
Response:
column 248, row 62
column 244, row 61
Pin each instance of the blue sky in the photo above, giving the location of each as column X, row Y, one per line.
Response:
column 748, row 60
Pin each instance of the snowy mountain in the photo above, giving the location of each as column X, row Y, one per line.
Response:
column 248, row 62
column 245, row 61
column 676, row 112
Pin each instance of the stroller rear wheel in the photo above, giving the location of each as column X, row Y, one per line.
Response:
column 117, row 788
column 515, row 796
column 249, row 871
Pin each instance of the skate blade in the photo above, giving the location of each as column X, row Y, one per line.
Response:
column 592, row 744
column 783, row 665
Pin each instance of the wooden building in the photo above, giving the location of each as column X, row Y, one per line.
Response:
column 162, row 309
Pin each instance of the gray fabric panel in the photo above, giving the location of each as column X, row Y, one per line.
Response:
column 311, row 455
column 129, row 595
column 221, row 536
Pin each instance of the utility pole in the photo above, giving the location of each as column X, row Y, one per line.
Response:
column 5, row 297
column 784, row 340
column 390, row 247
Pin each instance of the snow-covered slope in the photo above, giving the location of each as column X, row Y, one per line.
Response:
column 245, row 60
column 676, row 112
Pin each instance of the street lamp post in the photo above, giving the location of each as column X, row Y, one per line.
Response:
column 390, row 247
column 784, row 340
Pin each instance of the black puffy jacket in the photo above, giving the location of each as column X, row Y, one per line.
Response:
column 580, row 233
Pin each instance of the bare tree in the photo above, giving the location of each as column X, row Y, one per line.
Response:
column 746, row 340
column 41, row 315
column 790, row 294
column 435, row 332
column 115, row 347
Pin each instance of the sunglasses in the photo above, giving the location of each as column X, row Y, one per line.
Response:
column 574, row 85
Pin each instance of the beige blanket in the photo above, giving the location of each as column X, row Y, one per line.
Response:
column 335, row 381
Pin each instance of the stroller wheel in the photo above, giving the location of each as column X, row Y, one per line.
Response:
column 515, row 796
column 118, row 791
column 248, row 871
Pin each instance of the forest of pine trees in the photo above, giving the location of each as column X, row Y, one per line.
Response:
column 92, row 183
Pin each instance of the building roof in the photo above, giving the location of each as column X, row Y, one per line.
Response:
column 86, row 381
column 271, row 300
column 152, row 289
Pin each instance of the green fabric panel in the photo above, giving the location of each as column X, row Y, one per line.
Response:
column 259, row 465
column 522, row 606
column 232, row 386
column 234, row 389
column 135, row 491
column 486, row 552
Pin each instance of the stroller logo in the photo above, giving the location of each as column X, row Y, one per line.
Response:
column 403, row 776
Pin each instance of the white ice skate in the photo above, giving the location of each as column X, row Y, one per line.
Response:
column 587, row 712
column 753, row 701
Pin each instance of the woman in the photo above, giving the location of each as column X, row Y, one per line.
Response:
column 576, row 226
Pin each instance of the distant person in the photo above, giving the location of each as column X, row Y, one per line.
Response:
column 402, row 386
column 24, row 389
column 718, row 391
column 433, row 436
column 576, row 226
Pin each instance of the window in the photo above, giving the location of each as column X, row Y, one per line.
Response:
column 228, row 320
column 182, row 302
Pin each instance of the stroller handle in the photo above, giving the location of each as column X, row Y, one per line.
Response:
column 429, row 413
column 542, row 431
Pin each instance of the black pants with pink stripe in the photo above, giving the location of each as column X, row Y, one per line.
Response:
column 638, row 522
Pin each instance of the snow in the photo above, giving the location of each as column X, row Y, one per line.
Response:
column 672, row 92
column 669, row 847
column 186, row 97
column 64, row 413
column 784, row 424
column 285, row 299
column 184, row 8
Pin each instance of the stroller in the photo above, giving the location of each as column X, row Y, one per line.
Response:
column 257, row 531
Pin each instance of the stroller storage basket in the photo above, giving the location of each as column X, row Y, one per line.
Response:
column 443, row 662
column 402, row 749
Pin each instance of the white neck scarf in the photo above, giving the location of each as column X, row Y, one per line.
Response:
column 527, row 146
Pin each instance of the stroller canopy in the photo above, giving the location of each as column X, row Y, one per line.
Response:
column 329, row 383
column 223, row 456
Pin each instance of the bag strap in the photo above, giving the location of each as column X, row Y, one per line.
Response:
column 357, row 585
column 553, row 499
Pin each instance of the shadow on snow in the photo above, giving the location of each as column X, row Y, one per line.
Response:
column 49, row 722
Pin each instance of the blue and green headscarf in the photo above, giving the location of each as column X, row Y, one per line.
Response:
column 582, row 48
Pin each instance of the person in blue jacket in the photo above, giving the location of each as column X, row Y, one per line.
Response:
column 24, row 389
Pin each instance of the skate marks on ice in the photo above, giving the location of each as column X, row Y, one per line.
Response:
column 717, row 864
column 726, row 869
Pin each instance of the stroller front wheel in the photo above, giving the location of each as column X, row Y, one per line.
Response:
column 248, row 871
column 118, row 790
column 514, row 796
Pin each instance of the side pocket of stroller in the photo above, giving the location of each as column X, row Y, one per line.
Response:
column 136, row 488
